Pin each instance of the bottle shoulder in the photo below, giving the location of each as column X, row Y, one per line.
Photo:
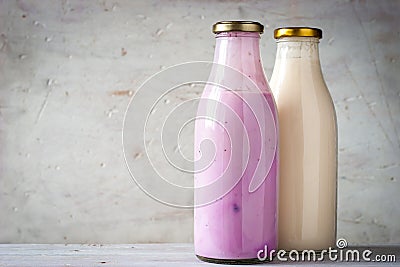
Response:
column 310, row 100
column 299, row 86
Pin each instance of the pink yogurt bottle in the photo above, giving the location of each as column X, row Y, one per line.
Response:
column 236, row 153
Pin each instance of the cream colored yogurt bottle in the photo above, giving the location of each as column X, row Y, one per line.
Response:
column 308, row 142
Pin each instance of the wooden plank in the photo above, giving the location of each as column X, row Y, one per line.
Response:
column 21, row 255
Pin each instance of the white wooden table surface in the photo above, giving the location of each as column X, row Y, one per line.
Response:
column 170, row 254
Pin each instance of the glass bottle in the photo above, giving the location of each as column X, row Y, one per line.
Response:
column 236, row 153
column 308, row 142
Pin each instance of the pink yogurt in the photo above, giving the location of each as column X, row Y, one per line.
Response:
column 236, row 192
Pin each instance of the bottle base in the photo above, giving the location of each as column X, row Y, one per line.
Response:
column 231, row 261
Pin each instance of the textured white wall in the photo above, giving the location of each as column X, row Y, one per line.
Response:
column 66, row 69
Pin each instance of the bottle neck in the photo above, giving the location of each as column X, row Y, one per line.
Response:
column 241, row 51
column 298, row 47
column 302, row 52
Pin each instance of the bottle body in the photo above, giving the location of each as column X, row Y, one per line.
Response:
column 242, row 217
column 308, row 147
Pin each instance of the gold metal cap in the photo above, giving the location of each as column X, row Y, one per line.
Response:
column 297, row 32
column 241, row 26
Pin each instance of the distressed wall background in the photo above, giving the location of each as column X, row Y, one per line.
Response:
column 69, row 68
